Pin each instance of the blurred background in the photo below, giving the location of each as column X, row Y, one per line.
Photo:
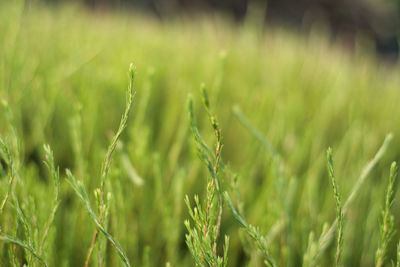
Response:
column 375, row 20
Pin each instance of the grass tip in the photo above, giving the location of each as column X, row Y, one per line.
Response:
column 389, row 137
column 132, row 68
column 204, row 95
column 4, row 103
column 223, row 54
column 236, row 108
column 393, row 165
column 329, row 152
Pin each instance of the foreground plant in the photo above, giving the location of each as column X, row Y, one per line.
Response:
column 317, row 248
column 35, row 239
column 202, row 238
column 202, row 215
column 339, row 208
column 253, row 232
column 102, row 202
column 387, row 222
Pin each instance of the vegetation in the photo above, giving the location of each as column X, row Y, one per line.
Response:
column 250, row 188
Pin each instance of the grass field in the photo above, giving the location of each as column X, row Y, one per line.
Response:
column 276, row 101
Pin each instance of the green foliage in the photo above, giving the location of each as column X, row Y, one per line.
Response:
column 339, row 208
column 202, row 239
column 102, row 204
column 315, row 250
column 55, row 175
column 260, row 193
column 8, row 159
column 81, row 192
column 30, row 228
column 9, row 239
column 387, row 223
column 252, row 231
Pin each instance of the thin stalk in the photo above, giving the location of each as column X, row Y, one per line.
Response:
column 339, row 209
column 387, row 224
column 28, row 247
column 56, row 178
column 253, row 232
column 327, row 237
column 5, row 150
column 111, row 148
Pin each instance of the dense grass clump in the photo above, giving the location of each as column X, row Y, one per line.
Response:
column 245, row 181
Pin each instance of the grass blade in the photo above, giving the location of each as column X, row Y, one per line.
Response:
column 10, row 239
column 81, row 192
column 328, row 235
column 339, row 209
column 387, row 224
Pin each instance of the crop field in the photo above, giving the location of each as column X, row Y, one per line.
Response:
column 130, row 141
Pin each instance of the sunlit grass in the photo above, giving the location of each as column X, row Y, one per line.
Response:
column 281, row 100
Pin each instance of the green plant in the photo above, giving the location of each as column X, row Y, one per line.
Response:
column 297, row 96
column 202, row 239
column 35, row 247
column 387, row 223
column 316, row 249
column 339, row 208
column 252, row 231
column 101, row 201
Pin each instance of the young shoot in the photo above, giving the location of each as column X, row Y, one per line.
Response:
column 202, row 239
column 387, row 223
